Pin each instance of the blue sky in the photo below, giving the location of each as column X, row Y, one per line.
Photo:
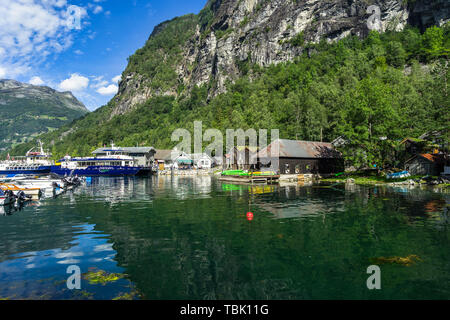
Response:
column 79, row 45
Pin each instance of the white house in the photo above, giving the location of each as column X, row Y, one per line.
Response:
column 166, row 159
column 202, row 160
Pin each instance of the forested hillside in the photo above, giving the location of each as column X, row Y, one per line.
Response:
column 27, row 111
column 393, row 84
column 388, row 85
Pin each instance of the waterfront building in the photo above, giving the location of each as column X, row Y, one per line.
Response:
column 301, row 157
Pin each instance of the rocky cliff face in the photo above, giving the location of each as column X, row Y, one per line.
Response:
column 232, row 33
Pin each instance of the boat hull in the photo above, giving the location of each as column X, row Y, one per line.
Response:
column 38, row 171
column 97, row 171
column 7, row 201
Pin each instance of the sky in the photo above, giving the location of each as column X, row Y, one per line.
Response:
column 80, row 46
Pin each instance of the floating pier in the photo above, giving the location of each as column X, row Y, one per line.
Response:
column 265, row 179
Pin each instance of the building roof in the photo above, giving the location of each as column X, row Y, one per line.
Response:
column 435, row 158
column 198, row 156
column 168, row 154
column 162, row 154
column 299, row 149
column 412, row 140
column 124, row 149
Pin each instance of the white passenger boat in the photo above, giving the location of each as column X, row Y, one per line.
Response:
column 35, row 162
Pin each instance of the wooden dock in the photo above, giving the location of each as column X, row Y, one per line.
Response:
column 264, row 179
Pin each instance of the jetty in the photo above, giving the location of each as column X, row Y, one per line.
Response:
column 249, row 177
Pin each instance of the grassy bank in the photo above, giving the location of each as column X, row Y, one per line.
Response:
column 361, row 178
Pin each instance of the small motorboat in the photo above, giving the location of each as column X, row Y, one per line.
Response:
column 6, row 197
column 398, row 175
column 34, row 192
column 22, row 197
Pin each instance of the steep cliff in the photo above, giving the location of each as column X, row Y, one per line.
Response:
column 280, row 64
column 217, row 45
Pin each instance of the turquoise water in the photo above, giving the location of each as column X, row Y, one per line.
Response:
column 190, row 238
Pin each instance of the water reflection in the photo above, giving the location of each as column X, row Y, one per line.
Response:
column 189, row 238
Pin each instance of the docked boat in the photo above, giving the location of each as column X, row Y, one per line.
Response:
column 41, row 183
column 249, row 176
column 33, row 192
column 111, row 165
column 36, row 161
column 48, row 187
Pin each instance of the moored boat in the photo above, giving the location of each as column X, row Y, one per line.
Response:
column 33, row 192
column 114, row 165
column 35, row 162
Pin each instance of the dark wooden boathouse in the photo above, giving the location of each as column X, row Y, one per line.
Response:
column 301, row 157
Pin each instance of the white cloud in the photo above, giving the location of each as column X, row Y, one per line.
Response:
column 78, row 52
column 97, row 9
column 56, row 3
column 32, row 30
column 109, row 90
column 100, row 84
column 117, row 78
column 2, row 72
column 36, row 81
column 76, row 82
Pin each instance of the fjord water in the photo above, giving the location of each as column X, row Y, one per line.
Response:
column 190, row 238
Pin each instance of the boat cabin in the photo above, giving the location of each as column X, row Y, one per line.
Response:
column 112, row 161
column 143, row 156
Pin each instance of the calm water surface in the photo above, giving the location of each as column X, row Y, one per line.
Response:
column 189, row 238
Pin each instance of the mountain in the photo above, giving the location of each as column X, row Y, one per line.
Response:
column 312, row 69
column 215, row 46
column 27, row 111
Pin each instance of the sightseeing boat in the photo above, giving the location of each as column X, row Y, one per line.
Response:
column 111, row 165
column 36, row 162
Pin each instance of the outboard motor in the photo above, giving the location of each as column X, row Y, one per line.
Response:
column 10, row 194
column 21, row 196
